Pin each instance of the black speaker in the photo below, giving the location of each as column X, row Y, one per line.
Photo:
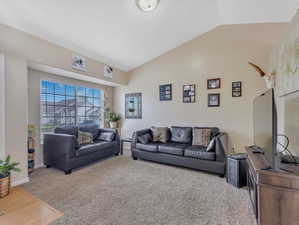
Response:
column 237, row 170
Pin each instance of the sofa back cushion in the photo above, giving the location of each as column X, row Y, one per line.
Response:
column 70, row 130
column 181, row 134
column 92, row 128
column 145, row 138
column 106, row 136
column 160, row 134
column 201, row 136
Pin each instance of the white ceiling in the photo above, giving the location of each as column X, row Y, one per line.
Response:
column 116, row 32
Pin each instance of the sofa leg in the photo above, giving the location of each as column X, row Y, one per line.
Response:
column 134, row 158
column 116, row 154
column 67, row 172
column 48, row 166
column 221, row 175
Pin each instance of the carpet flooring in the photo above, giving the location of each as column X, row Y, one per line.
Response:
column 121, row 191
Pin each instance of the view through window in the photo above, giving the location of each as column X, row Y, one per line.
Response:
column 65, row 105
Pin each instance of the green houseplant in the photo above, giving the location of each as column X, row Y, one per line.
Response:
column 112, row 119
column 6, row 166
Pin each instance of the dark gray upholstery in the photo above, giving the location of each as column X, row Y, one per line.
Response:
column 90, row 148
column 181, row 134
column 150, row 147
column 106, row 136
column 71, row 130
column 173, row 148
column 60, row 152
column 199, row 152
column 186, row 155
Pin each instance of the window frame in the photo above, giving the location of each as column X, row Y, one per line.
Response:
column 70, row 117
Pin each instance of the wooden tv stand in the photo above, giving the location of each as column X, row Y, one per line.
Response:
column 274, row 194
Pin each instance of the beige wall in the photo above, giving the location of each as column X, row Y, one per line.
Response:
column 34, row 78
column 39, row 51
column 224, row 53
column 2, row 106
column 16, row 114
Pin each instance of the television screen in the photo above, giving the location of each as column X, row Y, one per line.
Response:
column 265, row 131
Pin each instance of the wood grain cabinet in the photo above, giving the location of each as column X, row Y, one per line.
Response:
column 274, row 194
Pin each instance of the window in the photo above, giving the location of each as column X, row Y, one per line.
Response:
column 64, row 105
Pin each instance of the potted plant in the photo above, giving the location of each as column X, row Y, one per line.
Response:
column 5, row 168
column 112, row 119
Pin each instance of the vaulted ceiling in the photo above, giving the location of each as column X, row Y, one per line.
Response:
column 116, row 32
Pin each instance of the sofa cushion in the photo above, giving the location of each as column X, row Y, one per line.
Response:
column 160, row 134
column 91, row 128
column 90, row 148
column 200, row 152
column 145, row 139
column 151, row 147
column 172, row 148
column 70, row 130
column 201, row 136
column 106, row 136
column 181, row 134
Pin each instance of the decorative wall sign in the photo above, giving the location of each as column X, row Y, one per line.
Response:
column 213, row 100
column 214, row 83
column 237, row 89
column 189, row 93
column 78, row 62
column 108, row 71
column 133, row 106
column 165, row 92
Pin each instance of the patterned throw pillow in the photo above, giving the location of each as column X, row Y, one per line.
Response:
column 160, row 134
column 85, row 138
column 201, row 136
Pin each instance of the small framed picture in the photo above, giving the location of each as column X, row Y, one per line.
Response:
column 78, row 62
column 214, row 83
column 189, row 93
column 213, row 100
column 237, row 89
column 165, row 92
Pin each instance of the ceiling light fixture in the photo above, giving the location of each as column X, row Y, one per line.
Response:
column 147, row 5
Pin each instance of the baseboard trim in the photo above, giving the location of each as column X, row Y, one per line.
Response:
column 19, row 182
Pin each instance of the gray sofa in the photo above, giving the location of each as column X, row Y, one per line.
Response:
column 184, row 154
column 62, row 150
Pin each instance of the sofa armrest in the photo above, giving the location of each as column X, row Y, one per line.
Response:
column 221, row 147
column 138, row 133
column 58, row 148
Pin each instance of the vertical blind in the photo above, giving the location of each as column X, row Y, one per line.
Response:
column 65, row 105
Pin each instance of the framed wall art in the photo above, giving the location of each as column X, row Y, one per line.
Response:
column 237, row 89
column 189, row 93
column 165, row 92
column 214, row 83
column 213, row 100
column 133, row 106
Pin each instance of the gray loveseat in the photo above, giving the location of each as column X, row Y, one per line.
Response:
column 62, row 150
column 183, row 154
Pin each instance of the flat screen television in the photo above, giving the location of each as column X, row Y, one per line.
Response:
column 265, row 126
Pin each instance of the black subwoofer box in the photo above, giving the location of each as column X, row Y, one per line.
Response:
column 236, row 170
